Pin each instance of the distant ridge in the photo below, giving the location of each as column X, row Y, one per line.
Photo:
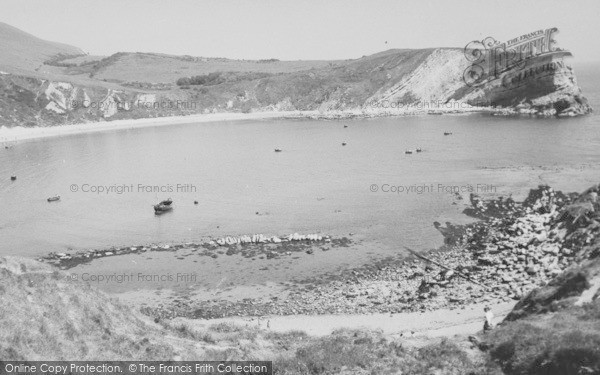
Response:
column 22, row 50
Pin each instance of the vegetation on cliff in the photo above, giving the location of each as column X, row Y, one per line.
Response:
column 144, row 85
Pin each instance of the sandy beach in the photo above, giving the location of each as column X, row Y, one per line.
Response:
column 16, row 134
column 22, row 134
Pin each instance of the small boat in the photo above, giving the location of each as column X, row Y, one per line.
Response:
column 54, row 198
column 195, row 202
column 344, row 143
column 345, row 126
column 408, row 152
column 277, row 150
column 167, row 202
column 419, row 149
column 447, row 133
column 161, row 208
column 13, row 178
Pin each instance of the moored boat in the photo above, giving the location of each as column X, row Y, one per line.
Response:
column 54, row 198
column 163, row 206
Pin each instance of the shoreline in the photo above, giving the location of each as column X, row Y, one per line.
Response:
column 513, row 248
column 23, row 134
column 18, row 134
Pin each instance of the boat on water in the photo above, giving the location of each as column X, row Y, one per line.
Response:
column 408, row 152
column 13, row 178
column 419, row 150
column 167, row 202
column 447, row 133
column 161, row 209
column 54, row 198
column 277, row 150
column 344, row 143
column 163, row 206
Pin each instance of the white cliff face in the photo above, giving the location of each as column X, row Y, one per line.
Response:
column 436, row 79
column 86, row 100
column 59, row 94
column 52, row 106
column 108, row 105
column 543, row 85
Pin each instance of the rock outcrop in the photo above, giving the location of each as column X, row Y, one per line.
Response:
column 544, row 85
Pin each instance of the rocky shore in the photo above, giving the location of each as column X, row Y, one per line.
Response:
column 248, row 246
column 513, row 248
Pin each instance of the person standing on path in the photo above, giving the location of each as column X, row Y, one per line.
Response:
column 488, row 325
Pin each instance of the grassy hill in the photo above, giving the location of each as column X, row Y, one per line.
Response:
column 59, row 79
column 160, row 68
column 240, row 86
column 25, row 51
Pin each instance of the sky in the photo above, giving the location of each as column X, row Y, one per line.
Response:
column 299, row 29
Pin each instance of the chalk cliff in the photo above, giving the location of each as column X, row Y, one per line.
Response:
column 71, row 87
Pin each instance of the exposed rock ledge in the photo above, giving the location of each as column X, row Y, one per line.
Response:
column 544, row 85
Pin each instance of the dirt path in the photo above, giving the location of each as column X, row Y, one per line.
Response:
column 429, row 324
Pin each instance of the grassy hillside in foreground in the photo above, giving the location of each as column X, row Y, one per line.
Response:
column 45, row 315
column 563, row 342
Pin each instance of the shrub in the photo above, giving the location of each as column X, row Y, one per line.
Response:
column 569, row 343
column 209, row 79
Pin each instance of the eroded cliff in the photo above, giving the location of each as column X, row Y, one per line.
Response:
column 79, row 89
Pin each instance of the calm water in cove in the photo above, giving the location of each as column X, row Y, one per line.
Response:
column 314, row 185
